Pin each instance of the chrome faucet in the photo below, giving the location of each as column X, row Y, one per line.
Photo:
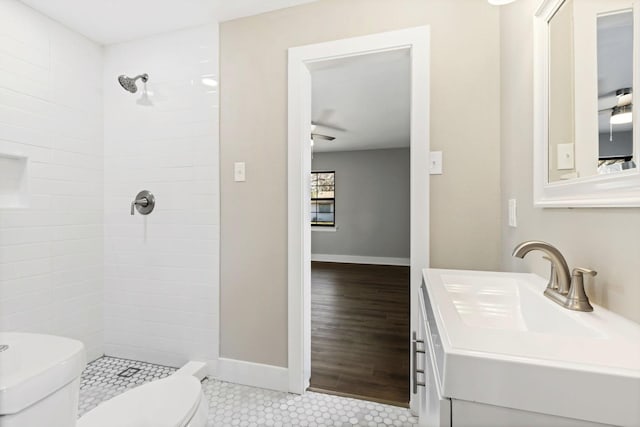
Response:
column 566, row 290
column 558, row 262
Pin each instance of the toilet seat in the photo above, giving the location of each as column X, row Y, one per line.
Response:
column 169, row 402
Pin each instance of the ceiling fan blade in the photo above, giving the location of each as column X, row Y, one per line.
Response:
column 328, row 126
column 320, row 136
column 607, row 94
column 617, row 92
column 619, row 97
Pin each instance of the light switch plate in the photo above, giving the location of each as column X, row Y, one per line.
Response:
column 435, row 163
column 239, row 172
column 565, row 157
column 513, row 213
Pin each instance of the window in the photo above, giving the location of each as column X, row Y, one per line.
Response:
column 323, row 199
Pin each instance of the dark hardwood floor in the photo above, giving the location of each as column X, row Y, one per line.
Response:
column 360, row 331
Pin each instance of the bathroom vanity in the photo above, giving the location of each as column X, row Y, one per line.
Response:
column 493, row 351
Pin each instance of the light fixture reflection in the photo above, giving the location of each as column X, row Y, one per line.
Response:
column 621, row 115
column 209, row 82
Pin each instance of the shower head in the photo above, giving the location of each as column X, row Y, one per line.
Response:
column 129, row 84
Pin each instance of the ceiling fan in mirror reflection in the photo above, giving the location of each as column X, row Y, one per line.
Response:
column 622, row 112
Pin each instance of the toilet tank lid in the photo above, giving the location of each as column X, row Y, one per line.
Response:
column 169, row 402
column 33, row 366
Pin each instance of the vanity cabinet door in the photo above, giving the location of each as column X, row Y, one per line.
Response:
column 435, row 410
column 420, row 361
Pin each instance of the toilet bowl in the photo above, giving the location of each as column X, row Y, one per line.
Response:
column 40, row 381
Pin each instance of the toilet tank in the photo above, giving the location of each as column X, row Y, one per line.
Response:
column 39, row 379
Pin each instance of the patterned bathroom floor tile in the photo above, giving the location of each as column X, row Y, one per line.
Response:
column 237, row 405
column 100, row 380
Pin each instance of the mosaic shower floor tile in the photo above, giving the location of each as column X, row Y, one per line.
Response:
column 100, row 380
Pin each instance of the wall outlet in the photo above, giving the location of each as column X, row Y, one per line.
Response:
column 239, row 172
column 513, row 213
column 435, row 163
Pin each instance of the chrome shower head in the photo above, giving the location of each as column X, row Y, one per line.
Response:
column 129, row 84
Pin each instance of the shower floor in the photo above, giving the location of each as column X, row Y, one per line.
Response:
column 232, row 404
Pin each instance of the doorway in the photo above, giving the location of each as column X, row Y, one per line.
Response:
column 360, row 226
column 301, row 59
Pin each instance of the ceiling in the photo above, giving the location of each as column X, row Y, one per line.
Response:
column 114, row 21
column 363, row 101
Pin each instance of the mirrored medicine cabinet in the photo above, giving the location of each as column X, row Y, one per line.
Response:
column 586, row 132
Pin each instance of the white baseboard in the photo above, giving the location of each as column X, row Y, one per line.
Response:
column 355, row 259
column 251, row 374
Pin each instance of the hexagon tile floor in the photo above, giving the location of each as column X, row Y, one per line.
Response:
column 237, row 405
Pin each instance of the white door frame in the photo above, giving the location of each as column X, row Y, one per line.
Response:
column 417, row 40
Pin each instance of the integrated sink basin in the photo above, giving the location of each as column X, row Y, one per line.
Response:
column 498, row 340
column 511, row 303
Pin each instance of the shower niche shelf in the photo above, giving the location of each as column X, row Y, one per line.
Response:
column 13, row 181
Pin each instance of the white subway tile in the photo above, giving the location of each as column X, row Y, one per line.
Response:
column 161, row 274
column 16, row 253
column 75, row 262
column 51, row 264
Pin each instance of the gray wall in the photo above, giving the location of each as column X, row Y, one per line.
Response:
column 607, row 240
column 372, row 203
column 465, row 65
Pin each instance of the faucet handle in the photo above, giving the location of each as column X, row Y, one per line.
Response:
column 144, row 202
column 553, row 275
column 577, row 298
column 580, row 270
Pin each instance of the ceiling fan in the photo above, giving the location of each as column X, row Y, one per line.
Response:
column 622, row 112
column 315, row 135
column 323, row 121
column 623, row 106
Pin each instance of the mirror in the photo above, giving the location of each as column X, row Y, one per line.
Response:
column 615, row 92
column 586, row 150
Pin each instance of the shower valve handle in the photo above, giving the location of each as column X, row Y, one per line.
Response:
column 143, row 203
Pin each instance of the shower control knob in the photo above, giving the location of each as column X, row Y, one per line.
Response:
column 143, row 203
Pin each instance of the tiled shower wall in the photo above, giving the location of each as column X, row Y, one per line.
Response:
column 51, row 252
column 161, row 270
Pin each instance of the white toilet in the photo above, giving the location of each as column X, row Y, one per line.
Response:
column 40, row 382
column 175, row 401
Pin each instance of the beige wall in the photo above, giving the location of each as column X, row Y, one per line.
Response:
column 607, row 240
column 465, row 216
